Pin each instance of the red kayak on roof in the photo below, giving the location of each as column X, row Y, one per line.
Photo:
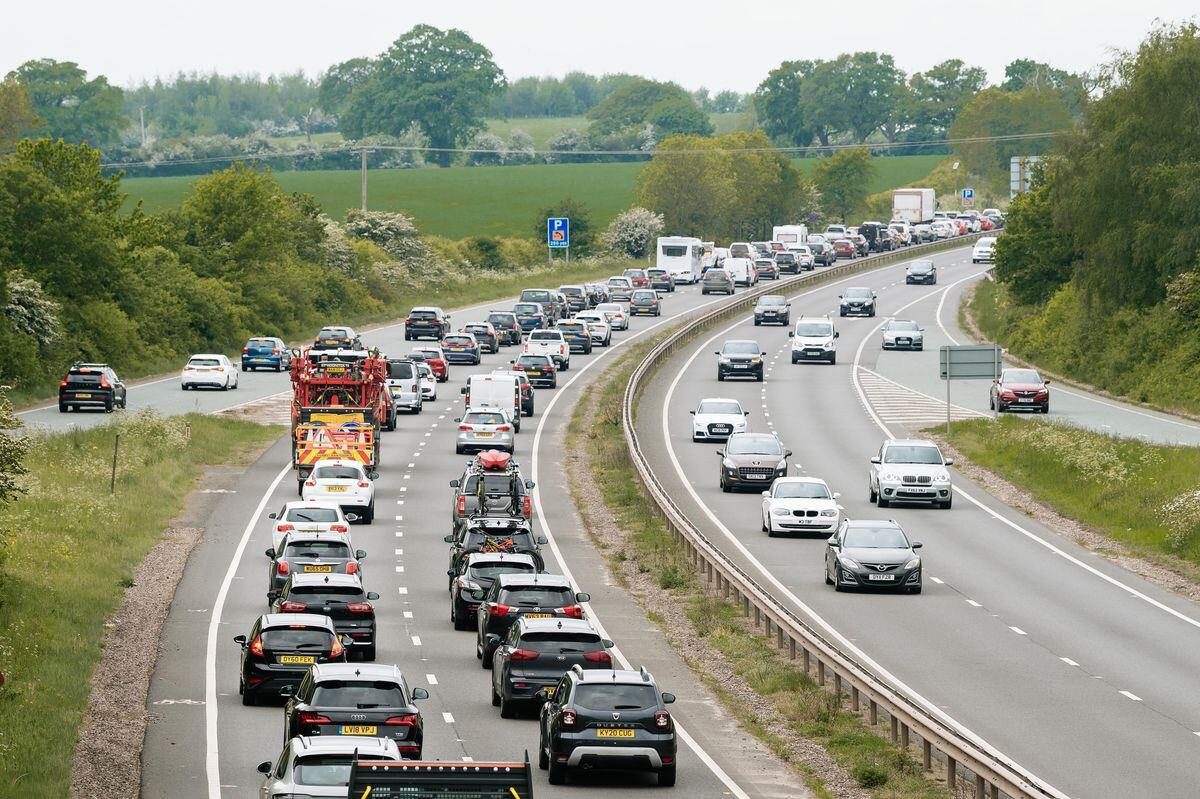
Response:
column 494, row 460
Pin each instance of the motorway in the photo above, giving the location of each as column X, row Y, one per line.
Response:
column 1062, row 661
column 203, row 742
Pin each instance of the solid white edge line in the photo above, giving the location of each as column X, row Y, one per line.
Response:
column 212, row 756
column 846, row 644
column 702, row 755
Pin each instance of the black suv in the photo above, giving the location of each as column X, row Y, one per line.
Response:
column 280, row 649
column 426, row 323
column 508, row 329
column 577, row 299
column 535, row 655
column 494, row 534
column 740, row 358
column 600, row 719
column 91, row 385
column 511, row 596
column 350, row 699
column 342, row 599
column 310, row 553
column 476, row 572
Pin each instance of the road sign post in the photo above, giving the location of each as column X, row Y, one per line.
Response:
column 968, row 197
column 968, row 362
column 558, row 236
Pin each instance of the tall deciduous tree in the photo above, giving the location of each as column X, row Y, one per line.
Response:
column 940, row 92
column 340, row 81
column 780, row 103
column 995, row 112
column 843, row 180
column 70, row 106
column 444, row 81
column 16, row 114
column 679, row 118
column 629, row 106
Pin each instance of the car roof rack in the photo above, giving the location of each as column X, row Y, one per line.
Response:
column 645, row 674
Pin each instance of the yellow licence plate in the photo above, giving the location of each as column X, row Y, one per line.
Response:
column 309, row 659
column 83, row 396
column 539, row 615
column 319, row 569
column 483, row 435
column 360, row 729
column 615, row 733
column 333, row 489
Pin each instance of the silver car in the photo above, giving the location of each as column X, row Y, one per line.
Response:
column 908, row 470
column 316, row 766
column 484, row 428
column 903, row 334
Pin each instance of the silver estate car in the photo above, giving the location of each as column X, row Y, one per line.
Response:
column 319, row 766
column 903, row 334
column 488, row 428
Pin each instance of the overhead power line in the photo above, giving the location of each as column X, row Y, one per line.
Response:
column 350, row 148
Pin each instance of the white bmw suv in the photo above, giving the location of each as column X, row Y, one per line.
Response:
column 910, row 470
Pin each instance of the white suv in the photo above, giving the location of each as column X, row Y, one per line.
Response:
column 910, row 470
column 344, row 482
column 552, row 344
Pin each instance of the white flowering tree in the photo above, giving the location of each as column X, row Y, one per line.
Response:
column 487, row 149
column 633, row 232
column 520, row 148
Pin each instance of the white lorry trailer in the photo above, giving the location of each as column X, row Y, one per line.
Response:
column 914, row 206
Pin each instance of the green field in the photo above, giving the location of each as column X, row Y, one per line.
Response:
column 495, row 200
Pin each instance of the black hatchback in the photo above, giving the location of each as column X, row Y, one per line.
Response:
column 91, row 385
column 536, row 653
column 511, row 596
column 342, row 599
column 280, row 649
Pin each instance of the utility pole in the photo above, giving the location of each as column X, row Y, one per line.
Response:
column 363, row 171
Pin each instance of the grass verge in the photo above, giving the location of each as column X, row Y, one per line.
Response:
column 1144, row 496
column 808, row 710
column 72, row 550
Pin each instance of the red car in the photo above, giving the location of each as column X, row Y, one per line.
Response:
column 1020, row 389
column 844, row 248
column 638, row 277
column 436, row 360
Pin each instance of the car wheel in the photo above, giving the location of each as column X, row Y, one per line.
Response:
column 833, row 359
column 761, row 376
column 916, row 589
column 724, row 486
column 881, row 502
column 837, row 585
column 720, row 376
column 496, row 700
column 108, row 406
column 508, row 708
column 873, row 495
column 1046, row 409
column 369, row 513
column 183, row 386
column 666, row 776
column 226, row 387
column 991, row 403
column 543, row 756
column 368, row 652
column 458, row 450
column 485, row 661
column 63, row 407
column 947, row 504
column 794, row 359
column 558, row 773
column 248, row 699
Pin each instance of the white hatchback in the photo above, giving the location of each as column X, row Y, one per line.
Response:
column 345, row 483
column 615, row 313
column 428, row 381
column 717, row 418
column 211, row 371
column 309, row 517
column 800, row 505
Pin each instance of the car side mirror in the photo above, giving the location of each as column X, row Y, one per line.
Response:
column 458, row 419
column 360, row 554
column 454, row 483
column 491, row 639
column 420, row 693
column 875, row 459
column 270, row 552
column 462, row 390
column 583, row 596
column 448, row 539
column 450, row 572
column 837, row 494
column 372, row 475
column 833, row 544
column 264, row 767
column 542, row 540
column 693, row 413
column 716, row 352
column 372, row 595
column 1045, row 382
column 745, row 413
column 787, row 453
column 352, row 517
column 272, row 515
column 791, row 334
column 948, row 462
column 273, row 595
column 917, row 545
column 287, row 690
column 836, row 334
column 668, row 698
column 607, row 643
column 240, row 640
column 477, row 595
column 763, row 354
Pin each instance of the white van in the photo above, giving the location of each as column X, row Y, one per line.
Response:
column 741, row 270
column 680, row 256
column 495, row 390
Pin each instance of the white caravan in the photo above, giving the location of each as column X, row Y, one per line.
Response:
column 680, row 256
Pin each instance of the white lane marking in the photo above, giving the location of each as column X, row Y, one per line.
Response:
column 408, row 614
column 399, row 502
column 938, row 581
column 405, row 488
column 1128, row 695
column 691, row 742
column 468, row 759
column 399, row 570
column 212, row 756
column 402, row 590
column 399, row 551
column 770, row 577
column 1068, row 661
column 416, row 640
column 1083, row 396
column 431, row 679
column 1017, row 630
column 399, row 518
column 446, row 717
column 399, row 534
column 973, row 603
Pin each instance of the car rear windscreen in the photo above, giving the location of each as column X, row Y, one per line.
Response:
column 360, row 694
column 336, row 473
column 674, row 250
column 326, row 593
column 561, row 643
column 315, row 515
column 316, row 549
column 615, row 696
column 400, row 370
column 537, row 596
column 304, row 638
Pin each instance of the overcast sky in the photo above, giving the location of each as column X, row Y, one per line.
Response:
column 728, row 45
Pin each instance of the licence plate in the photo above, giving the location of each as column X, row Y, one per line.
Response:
column 335, row 489
column 328, row 569
column 604, row 733
column 483, row 435
column 458, row 349
column 1024, row 400
column 913, row 490
column 539, row 615
column 83, row 396
column 297, row 659
column 741, row 366
column 881, row 577
column 361, row 729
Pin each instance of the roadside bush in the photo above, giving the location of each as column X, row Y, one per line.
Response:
column 489, row 147
column 1182, row 516
column 520, row 148
column 870, row 775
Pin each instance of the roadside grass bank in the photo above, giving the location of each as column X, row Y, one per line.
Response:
column 832, row 749
column 72, row 550
column 1144, row 497
column 453, row 295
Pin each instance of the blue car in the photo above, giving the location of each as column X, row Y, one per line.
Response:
column 461, row 348
column 266, row 353
column 530, row 316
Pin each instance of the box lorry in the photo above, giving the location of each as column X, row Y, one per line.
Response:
column 914, row 206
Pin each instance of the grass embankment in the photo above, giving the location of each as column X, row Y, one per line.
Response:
column 1144, row 496
column 72, row 551
column 810, row 711
column 484, row 200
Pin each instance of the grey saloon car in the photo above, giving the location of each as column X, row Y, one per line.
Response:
column 870, row 554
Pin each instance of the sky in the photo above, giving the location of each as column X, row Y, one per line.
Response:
column 718, row 45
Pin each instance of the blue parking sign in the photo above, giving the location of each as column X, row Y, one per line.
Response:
column 558, row 232
column 968, row 197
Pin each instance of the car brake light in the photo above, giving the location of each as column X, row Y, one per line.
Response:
column 63, row 383
column 465, row 427
column 498, row 610
column 359, row 607
column 662, row 719
column 527, row 506
column 339, row 528
column 256, row 646
column 363, row 484
column 104, row 382
column 312, row 718
column 402, row 721
column 189, row 368
column 245, row 350
column 352, row 567
column 309, row 483
column 574, row 611
column 292, row 606
column 275, row 351
column 569, row 718
column 597, row 657
column 282, row 568
column 461, row 506
column 337, row 649
column 522, row 655
column 503, row 428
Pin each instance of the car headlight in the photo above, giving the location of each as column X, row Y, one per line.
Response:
column 912, row 563
column 889, row 476
column 942, row 477
column 755, row 360
column 780, row 512
column 469, row 585
column 723, row 360
column 829, row 344
column 829, row 512
column 740, row 425
column 782, row 465
column 849, row 563
column 868, row 302
column 844, row 302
